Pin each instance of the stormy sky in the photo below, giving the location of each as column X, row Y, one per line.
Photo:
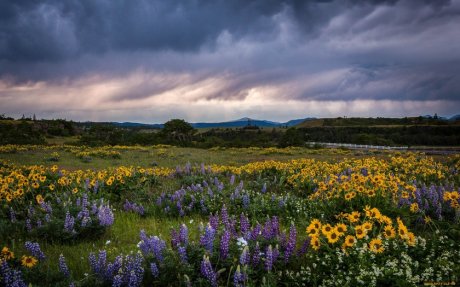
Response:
column 202, row 60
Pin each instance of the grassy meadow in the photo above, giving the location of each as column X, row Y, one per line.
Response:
column 170, row 216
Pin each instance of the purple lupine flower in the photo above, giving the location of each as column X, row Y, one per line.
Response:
column 207, row 271
column 203, row 170
column 12, row 215
column 245, row 200
column 105, row 215
column 84, row 201
column 183, row 234
column 264, row 188
column 207, row 239
column 256, row 255
column 232, row 179
column 182, row 254
column 134, row 270
column 224, row 244
column 224, row 215
column 47, row 207
column 63, row 266
column 239, row 277
column 47, row 217
column 175, row 240
column 269, row 258
column 203, row 206
column 245, row 257
column 290, row 247
column 244, row 224
column 28, row 225
column 102, row 261
column 152, row 245
column 39, row 223
column 34, row 249
column 69, row 222
column 93, row 263
column 10, row 277
column 303, row 249
column 214, row 221
column 113, row 268
column 267, row 231
column 255, row 232
column 240, row 186
column 117, row 281
column 275, row 226
column 154, row 269
column 281, row 203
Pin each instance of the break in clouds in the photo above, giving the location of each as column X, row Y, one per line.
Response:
column 205, row 60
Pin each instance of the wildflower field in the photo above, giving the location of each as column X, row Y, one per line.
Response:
column 168, row 216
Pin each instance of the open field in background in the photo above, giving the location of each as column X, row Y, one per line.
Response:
column 169, row 156
column 308, row 217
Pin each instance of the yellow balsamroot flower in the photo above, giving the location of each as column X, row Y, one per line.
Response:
column 360, row 232
column 341, row 229
column 385, row 219
column 354, row 216
column 375, row 213
column 333, row 237
column 350, row 195
column 54, row 168
column 28, row 261
column 39, row 199
column 389, row 231
column 75, row 190
column 9, row 197
column 7, row 254
column 314, row 227
column 51, row 187
column 402, row 231
column 314, row 242
column 414, row 207
column 411, row 239
column 350, row 240
column 35, row 185
column 367, row 226
column 43, row 178
column 427, row 219
column 326, row 229
column 376, row 245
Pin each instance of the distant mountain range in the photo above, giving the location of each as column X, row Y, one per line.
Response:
column 239, row 123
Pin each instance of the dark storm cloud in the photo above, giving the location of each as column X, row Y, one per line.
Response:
column 55, row 30
column 313, row 50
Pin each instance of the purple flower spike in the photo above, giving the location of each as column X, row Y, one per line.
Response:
column 239, row 277
column 63, row 266
column 224, row 244
column 290, row 247
column 245, row 257
column 208, row 272
column 256, row 255
column 269, row 259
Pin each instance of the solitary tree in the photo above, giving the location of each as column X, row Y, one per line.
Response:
column 178, row 130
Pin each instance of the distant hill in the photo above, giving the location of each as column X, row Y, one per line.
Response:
column 455, row 118
column 243, row 122
column 239, row 123
column 387, row 122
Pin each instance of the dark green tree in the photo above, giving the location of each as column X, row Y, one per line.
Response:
column 178, row 131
